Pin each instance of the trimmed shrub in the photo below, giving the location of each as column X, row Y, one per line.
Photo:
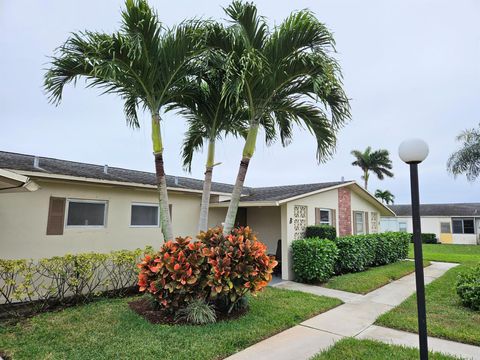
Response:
column 63, row 280
column 468, row 287
column 427, row 238
column 356, row 253
column 217, row 269
column 321, row 232
column 391, row 247
column 314, row 259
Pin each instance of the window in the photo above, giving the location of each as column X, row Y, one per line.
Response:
column 463, row 226
column 86, row 213
column 445, row 228
column 324, row 217
column 144, row 215
column 359, row 219
column 402, row 226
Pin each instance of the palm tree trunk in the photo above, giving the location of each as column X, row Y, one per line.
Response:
column 248, row 151
column 165, row 223
column 207, row 185
column 365, row 177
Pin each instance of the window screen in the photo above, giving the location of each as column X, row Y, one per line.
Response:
column 144, row 215
column 359, row 223
column 457, row 225
column 445, row 228
column 82, row 213
column 325, row 217
column 402, row 226
column 468, row 226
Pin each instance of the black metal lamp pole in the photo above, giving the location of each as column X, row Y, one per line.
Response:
column 419, row 279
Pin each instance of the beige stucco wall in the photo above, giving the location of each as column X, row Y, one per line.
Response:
column 265, row 221
column 360, row 204
column 23, row 220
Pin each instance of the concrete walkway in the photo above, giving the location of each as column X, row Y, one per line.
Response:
column 354, row 318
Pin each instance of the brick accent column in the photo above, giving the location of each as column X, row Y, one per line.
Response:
column 344, row 211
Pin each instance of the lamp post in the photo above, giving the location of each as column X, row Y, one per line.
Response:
column 413, row 152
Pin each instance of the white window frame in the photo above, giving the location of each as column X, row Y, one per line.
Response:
column 329, row 211
column 364, row 232
column 403, row 223
column 67, row 209
column 145, row 204
column 462, row 219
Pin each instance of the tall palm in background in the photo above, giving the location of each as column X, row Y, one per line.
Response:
column 466, row 160
column 209, row 117
column 281, row 77
column 377, row 161
column 385, row 196
column 144, row 63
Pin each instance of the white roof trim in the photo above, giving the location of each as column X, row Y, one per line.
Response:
column 109, row 182
column 225, row 204
column 19, row 182
column 283, row 201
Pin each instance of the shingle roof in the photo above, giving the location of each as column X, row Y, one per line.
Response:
column 460, row 209
column 22, row 162
column 275, row 193
column 15, row 161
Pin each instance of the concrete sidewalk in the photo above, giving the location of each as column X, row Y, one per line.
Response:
column 354, row 318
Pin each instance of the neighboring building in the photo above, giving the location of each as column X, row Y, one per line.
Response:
column 51, row 207
column 452, row 223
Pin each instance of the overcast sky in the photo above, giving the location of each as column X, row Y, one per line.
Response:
column 411, row 69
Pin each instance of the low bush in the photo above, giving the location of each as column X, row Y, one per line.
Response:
column 391, row 247
column 427, row 238
column 321, row 232
column 218, row 269
column 468, row 287
column 314, row 259
column 63, row 280
column 197, row 312
column 356, row 253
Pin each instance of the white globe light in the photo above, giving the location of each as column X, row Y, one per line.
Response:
column 413, row 151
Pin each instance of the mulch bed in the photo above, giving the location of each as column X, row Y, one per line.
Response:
column 144, row 308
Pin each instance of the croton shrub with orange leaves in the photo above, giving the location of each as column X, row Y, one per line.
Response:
column 220, row 269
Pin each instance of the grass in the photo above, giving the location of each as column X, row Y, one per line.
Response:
column 446, row 317
column 463, row 254
column 373, row 278
column 108, row 329
column 350, row 348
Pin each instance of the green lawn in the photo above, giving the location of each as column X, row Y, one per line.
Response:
column 446, row 317
column 108, row 329
column 450, row 253
column 372, row 350
column 373, row 278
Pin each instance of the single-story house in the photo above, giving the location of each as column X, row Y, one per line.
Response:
column 72, row 207
column 452, row 223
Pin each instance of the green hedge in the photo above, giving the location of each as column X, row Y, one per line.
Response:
column 321, row 231
column 314, row 259
column 468, row 287
column 427, row 238
column 66, row 279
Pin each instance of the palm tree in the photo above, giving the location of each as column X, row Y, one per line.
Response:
column 466, row 160
column 280, row 76
column 385, row 196
column 144, row 63
column 209, row 117
column 377, row 161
